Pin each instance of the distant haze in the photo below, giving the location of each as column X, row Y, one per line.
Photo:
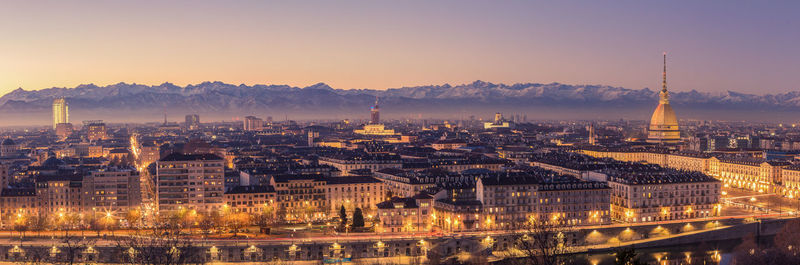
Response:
column 713, row 46
column 215, row 101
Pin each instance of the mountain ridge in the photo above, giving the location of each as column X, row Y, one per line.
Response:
column 479, row 96
column 476, row 89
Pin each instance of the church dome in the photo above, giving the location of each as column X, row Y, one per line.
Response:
column 53, row 162
column 8, row 141
column 663, row 117
column 664, row 123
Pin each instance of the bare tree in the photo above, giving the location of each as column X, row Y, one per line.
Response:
column 21, row 225
column 71, row 249
column 134, row 217
column 543, row 242
column 35, row 256
column 67, row 250
column 308, row 212
column 784, row 251
column 788, row 239
column 209, row 221
column 237, row 221
column 95, row 223
column 67, row 222
column 163, row 245
column 39, row 223
column 263, row 220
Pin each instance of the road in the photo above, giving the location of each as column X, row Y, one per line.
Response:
column 761, row 202
column 48, row 238
column 739, row 204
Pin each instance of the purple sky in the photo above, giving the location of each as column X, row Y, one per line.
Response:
column 715, row 46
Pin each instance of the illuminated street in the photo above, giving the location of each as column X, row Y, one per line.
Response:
column 399, row 133
column 743, row 201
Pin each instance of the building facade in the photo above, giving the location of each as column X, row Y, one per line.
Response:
column 252, row 199
column 347, row 163
column 751, row 174
column 663, row 127
column 363, row 192
column 190, row 181
column 96, row 131
column 113, row 190
column 60, row 112
column 405, row 214
column 300, row 197
column 251, row 123
column 16, row 204
column 60, row 194
column 511, row 202
column 645, row 198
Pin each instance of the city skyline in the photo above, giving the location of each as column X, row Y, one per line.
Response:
column 399, row 132
column 714, row 46
column 603, row 185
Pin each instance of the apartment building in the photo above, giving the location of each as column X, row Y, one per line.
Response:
column 193, row 181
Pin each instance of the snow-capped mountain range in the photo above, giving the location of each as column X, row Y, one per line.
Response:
column 479, row 96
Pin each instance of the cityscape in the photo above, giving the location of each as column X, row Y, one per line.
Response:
column 477, row 173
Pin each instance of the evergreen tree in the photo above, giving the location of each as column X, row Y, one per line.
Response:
column 358, row 218
column 343, row 216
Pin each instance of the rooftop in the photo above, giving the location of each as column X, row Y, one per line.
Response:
column 290, row 177
column 405, row 202
column 351, row 180
column 191, row 157
column 16, row 192
column 642, row 174
column 251, row 189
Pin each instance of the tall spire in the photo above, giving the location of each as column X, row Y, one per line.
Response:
column 664, row 82
column 664, row 95
column 375, row 113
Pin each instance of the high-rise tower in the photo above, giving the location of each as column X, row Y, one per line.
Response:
column 375, row 112
column 664, row 124
column 60, row 112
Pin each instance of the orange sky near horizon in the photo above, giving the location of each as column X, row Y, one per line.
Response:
column 379, row 45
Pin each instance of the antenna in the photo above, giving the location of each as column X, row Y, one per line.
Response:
column 664, row 74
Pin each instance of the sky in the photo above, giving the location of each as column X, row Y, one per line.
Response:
column 712, row 46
